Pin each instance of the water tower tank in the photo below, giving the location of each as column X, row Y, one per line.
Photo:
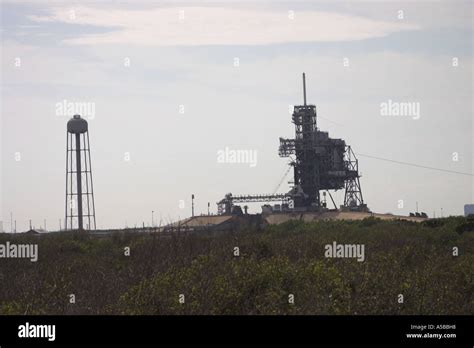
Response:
column 77, row 125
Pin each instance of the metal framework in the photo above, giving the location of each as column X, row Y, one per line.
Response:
column 353, row 195
column 319, row 160
column 320, row 163
column 80, row 205
column 224, row 206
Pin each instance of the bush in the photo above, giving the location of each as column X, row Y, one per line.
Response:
column 277, row 264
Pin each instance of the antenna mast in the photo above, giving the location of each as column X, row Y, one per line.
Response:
column 304, row 88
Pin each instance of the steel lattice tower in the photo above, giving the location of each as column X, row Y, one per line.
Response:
column 353, row 193
column 306, row 165
column 320, row 163
column 80, row 206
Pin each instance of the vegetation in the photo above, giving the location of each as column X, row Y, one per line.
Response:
column 412, row 259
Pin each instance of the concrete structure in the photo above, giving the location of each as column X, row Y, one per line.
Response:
column 214, row 223
column 235, row 222
column 275, row 219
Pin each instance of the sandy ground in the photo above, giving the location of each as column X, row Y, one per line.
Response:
column 278, row 218
column 333, row 215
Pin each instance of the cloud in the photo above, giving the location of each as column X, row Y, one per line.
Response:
column 194, row 26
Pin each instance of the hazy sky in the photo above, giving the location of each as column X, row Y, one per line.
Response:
column 169, row 85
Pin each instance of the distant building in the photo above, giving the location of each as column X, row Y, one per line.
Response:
column 34, row 231
column 468, row 209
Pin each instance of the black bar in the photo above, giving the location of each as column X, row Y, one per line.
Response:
column 240, row 329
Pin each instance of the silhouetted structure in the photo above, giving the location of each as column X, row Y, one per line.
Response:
column 320, row 163
column 80, row 206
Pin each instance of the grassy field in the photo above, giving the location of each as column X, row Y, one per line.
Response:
column 412, row 259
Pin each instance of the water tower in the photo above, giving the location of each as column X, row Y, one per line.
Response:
column 80, row 208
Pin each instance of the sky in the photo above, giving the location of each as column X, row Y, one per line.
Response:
column 169, row 85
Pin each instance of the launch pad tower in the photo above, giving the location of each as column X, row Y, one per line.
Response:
column 320, row 163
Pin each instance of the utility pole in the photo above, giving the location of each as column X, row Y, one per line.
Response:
column 192, row 205
column 152, row 219
column 15, row 226
column 417, row 207
column 30, row 225
column 208, row 208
